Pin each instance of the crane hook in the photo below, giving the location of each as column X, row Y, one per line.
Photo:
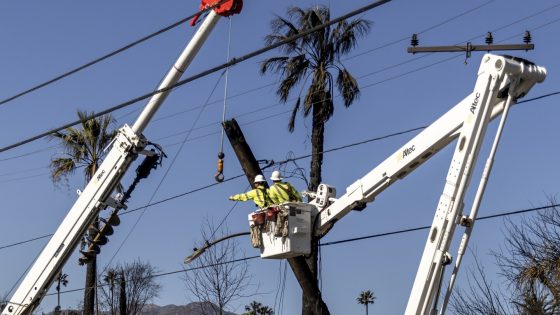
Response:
column 219, row 177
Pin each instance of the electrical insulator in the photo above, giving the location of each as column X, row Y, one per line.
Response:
column 414, row 40
column 527, row 38
column 489, row 38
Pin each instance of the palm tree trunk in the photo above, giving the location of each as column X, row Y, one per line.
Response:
column 91, row 267
column 367, row 313
column 317, row 140
column 58, row 293
column 91, row 272
column 89, row 292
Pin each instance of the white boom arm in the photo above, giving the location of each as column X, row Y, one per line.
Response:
column 501, row 81
column 97, row 194
column 415, row 152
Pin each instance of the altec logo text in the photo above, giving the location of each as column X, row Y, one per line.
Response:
column 475, row 103
column 407, row 151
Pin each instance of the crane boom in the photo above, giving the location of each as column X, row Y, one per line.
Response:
column 501, row 81
column 411, row 155
column 96, row 196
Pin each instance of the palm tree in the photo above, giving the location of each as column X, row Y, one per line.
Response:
column 314, row 62
column 256, row 308
column 366, row 298
column 83, row 148
column 61, row 279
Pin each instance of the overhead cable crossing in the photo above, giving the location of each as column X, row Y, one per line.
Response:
column 329, row 244
column 202, row 74
column 274, row 163
column 109, row 55
column 133, row 101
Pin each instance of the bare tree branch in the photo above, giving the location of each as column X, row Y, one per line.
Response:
column 221, row 283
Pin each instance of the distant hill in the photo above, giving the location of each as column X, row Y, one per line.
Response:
column 151, row 309
column 189, row 309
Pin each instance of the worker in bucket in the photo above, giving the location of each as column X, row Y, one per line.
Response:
column 259, row 195
column 282, row 191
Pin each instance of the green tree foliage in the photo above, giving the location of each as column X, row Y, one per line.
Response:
column 83, row 148
column 61, row 280
column 126, row 288
column 366, row 298
column 256, row 308
column 530, row 263
column 313, row 63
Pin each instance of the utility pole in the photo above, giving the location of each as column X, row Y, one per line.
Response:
column 298, row 264
column 122, row 293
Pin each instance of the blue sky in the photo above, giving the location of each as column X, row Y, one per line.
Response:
column 400, row 91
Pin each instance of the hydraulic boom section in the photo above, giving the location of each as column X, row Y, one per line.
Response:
column 498, row 78
column 97, row 195
column 501, row 81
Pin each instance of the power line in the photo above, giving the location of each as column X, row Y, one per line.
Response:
column 23, row 171
column 422, row 31
column 306, row 156
column 281, row 162
column 22, row 178
column 202, row 74
column 27, row 241
column 161, row 138
column 227, row 180
column 237, row 60
column 348, row 58
column 493, row 216
column 107, row 56
column 503, row 214
column 173, row 160
column 28, row 153
column 277, row 163
column 172, row 272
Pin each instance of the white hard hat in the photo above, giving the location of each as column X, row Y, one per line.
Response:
column 259, row 179
column 275, row 176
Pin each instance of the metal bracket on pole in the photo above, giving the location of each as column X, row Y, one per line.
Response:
column 469, row 47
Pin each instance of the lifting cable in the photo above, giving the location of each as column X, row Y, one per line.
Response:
column 174, row 159
column 219, row 177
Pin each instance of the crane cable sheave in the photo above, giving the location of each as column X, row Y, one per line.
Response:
column 221, row 7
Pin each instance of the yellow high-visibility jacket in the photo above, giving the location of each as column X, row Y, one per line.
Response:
column 282, row 192
column 258, row 195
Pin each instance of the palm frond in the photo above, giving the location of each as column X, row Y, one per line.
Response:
column 82, row 147
column 348, row 87
column 313, row 56
column 346, row 34
column 274, row 64
column 61, row 168
column 295, row 109
column 311, row 98
column 293, row 70
column 283, row 29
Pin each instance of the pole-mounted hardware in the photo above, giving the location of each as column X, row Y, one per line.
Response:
column 468, row 48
